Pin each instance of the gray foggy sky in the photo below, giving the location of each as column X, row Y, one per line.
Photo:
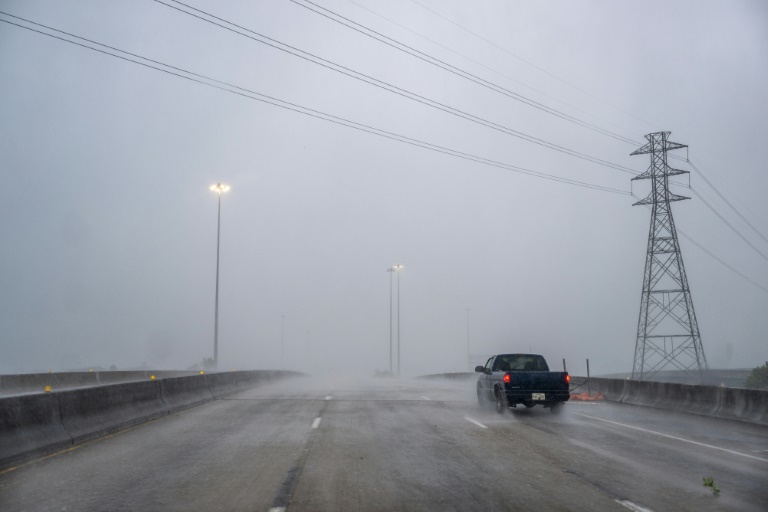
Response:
column 109, row 229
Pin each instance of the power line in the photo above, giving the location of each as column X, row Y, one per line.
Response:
column 434, row 104
column 726, row 265
column 531, row 63
column 725, row 200
column 455, row 70
column 247, row 93
column 728, row 223
column 715, row 184
column 568, row 83
column 712, row 255
column 390, row 87
column 470, row 59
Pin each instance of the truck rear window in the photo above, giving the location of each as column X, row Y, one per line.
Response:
column 520, row 362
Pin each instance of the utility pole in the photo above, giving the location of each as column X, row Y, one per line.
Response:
column 282, row 342
column 667, row 329
column 390, row 270
column 469, row 360
column 398, row 268
column 218, row 188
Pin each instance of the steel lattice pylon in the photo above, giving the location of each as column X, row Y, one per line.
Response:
column 667, row 330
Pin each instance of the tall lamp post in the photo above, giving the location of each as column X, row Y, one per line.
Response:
column 282, row 342
column 469, row 364
column 390, row 270
column 397, row 268
column 219, row 188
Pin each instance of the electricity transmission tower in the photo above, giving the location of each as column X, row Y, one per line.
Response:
column 667, row 330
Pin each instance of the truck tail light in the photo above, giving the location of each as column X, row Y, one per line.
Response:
column 567, row 379
column 507, row 378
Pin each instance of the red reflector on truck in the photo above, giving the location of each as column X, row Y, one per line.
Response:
column 567, row 378
column 507, row 378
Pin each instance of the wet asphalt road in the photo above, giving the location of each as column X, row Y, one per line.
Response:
column 379, row 444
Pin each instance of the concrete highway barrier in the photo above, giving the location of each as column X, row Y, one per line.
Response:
column 749, row 405
column 222, row 384
column 41, row 423
column 37, row 382
column 133, row 376
column 179, row 393
column 30, row 425
column 91, row 412
column 451, row 376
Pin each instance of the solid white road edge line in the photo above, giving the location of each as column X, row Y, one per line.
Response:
column 277, row 509
column 426, row 398
column 632, row 506
column 475, row 422
column 316, row 423
column 673, row 437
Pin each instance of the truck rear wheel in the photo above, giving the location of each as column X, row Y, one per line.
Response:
column 481, row 401
column 556, row 408
column 501, row 402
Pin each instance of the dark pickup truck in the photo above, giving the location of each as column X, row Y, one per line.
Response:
column 512, row 379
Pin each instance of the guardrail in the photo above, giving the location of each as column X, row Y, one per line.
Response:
column 451, row 376
column 750, row 405
column 39, row 382
column 41, row 423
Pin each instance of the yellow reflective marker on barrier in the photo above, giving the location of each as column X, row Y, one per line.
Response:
column 90, row 370
column 202, row 372
column 151, row 377
column 47, row 389
column 234, row 369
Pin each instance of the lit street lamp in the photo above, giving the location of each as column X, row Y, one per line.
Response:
column 218, row 188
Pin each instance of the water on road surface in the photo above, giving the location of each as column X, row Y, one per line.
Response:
column 388, row 444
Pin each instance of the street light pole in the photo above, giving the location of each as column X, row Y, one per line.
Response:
column 390, row 270
column 282, row 342
column 469, row 363
column 218, row 188
column 398, row 268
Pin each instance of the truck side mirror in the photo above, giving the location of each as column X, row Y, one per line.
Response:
column 480, row 369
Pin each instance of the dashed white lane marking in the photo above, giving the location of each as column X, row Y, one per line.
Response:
column 328, row 397
column 631, row 506
column 316, row 423
column 426, row 398
column 674, row 437
column 475, row 422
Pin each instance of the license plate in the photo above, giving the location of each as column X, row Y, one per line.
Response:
column 538, row 396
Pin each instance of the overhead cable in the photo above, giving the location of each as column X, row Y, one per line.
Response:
column 474, row 61
column 712, row 255
column 263, row 98
column 721, row 196
column 225, row 87
column 728, row 223
column 333, row 66
column 378, row 36
column 532, row 64
column 707, row 251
